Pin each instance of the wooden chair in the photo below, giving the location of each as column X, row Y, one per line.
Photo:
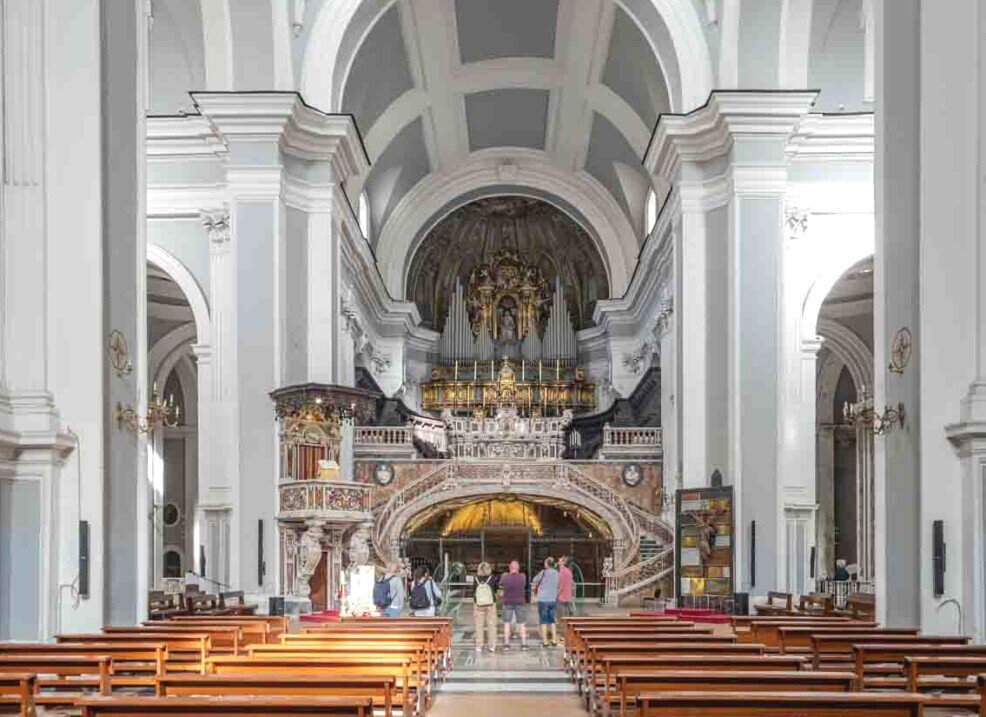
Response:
column 233, row 603
column 161, row 606
column 816, row 604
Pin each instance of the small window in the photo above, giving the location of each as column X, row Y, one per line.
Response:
column 363, row 215
column 172, row 564
column 651, row 218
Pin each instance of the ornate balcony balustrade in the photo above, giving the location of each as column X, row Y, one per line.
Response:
column 322, row 500
column 632, row 442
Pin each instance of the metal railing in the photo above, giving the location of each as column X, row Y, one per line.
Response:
column 842, row 590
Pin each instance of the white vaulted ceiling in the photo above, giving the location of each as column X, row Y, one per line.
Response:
column 437, row 85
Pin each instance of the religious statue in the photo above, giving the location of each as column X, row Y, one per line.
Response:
column 508, row 327
column 359, row 546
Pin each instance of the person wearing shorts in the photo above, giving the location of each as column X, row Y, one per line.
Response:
column 566, row 583
column 513, row 589
column 546, row 585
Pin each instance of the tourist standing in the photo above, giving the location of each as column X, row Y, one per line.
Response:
column 566, row 585
column 513, row 589
column 388, row 593
column 425, row 595
column 484, row 607
column 546, row 585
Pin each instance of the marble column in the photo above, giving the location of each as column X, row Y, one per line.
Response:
column 277, row 281
column 728, row 266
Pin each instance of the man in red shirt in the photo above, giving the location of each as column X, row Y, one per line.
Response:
column 563, row 606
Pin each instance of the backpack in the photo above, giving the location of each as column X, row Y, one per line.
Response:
column 484, row 594
column 381, row 593
column 419, row 596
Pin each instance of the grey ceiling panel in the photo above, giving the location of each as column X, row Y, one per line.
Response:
column 515, row 117
column 489, row 29
column 632, row 71
column 606, row 147
column 380, row 73
column 402, row 165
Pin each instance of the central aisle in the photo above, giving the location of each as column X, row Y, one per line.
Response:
column 497, row 705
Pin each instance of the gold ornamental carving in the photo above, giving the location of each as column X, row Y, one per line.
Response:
column 507, row 297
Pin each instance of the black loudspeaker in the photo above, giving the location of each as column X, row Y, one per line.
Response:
column 741, row 603
column 753, row 553
column 938, row 556
column 84, row 559
column 261, row 566
column 202, row 560
column 275, row 605
column 716, row 480
column 811, row 563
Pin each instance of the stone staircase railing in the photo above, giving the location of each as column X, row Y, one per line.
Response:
column 384, row 514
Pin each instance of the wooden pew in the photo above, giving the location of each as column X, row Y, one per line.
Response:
column 223, row 639
column 779, row 704
column 277, row 623
column 579, row 654
column 429, row 660
column 768, row 631
column 597, row 658
column 943, row 673
column 816, row 604
column 610, row 665
column 882, row 665
column 186, row 652
column 396, row 666
column 631, row 682
column 832, row 649
column 131, row 665
column 380, row 689
column 65, row 673
column 777, row 604
column 17, row 691
column 797, row 640
column 226, row 706
column 251, row 633
column 161, row 605
column 233, row 603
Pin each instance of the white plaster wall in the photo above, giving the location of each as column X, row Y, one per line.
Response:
column 177, row 55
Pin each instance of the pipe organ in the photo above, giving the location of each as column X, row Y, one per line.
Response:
column 508, row 341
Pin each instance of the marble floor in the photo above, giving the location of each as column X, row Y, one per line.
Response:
column 498, row 705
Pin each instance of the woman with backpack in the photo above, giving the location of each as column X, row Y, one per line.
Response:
column 484, row 607
column 425, row 595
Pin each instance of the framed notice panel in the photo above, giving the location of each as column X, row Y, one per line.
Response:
column 704, row 545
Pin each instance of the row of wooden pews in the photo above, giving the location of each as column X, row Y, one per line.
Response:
column 233, row 665
column 769, row 665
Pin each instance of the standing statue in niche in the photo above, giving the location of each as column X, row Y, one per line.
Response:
column 508, row 329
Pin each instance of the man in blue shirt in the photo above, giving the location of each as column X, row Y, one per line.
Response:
column 546, row 586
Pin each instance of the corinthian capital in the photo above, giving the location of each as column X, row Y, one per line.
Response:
column 216, row 223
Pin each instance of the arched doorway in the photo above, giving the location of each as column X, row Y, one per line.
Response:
column 173, row 449
column 506, row 527
column 844, row 458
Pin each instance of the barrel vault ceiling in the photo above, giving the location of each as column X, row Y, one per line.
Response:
column 435, row 81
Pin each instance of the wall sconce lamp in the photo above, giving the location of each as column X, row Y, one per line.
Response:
column 159, row 413
column 862, row 415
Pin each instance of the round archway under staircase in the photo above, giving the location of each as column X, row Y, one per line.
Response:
column 628, row 571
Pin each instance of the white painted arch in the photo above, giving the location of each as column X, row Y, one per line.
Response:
column 616, row 240
column 174, row 268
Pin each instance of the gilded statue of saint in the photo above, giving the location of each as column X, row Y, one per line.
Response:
column 508, row 327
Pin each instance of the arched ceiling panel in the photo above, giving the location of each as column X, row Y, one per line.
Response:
column 379, row 73
column 396, row 171
column 515, row 117
column 537, row 231
column 607, row 147
column 506, row 28
column 836, row 59
column 633, row 73
column 177, row 55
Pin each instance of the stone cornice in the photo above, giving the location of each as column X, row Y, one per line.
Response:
column 301, row 130
column 187, row 136
column 709, row 131
column 833, row 138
